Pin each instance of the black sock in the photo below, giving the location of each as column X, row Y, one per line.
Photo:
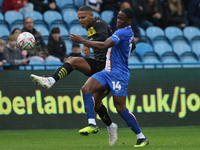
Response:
column 62, row 71
column 103, row 114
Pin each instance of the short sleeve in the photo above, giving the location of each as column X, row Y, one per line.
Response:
column 117, row 36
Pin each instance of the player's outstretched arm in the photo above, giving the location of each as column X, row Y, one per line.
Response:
column 94, row 44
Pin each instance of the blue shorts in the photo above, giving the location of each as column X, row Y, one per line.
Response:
column 117, row 83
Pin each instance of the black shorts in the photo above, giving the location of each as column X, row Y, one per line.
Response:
column 95, row 66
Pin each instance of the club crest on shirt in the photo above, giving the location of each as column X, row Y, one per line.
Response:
column 91, row 31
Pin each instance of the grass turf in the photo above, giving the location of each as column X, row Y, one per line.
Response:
column 165, row 138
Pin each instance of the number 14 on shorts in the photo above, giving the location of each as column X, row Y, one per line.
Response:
column 116, row 85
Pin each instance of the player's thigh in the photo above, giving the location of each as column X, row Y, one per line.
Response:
column 92, row 85
column 80, row 64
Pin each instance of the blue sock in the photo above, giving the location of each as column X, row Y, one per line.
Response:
column 130, row 121
column 89, row 105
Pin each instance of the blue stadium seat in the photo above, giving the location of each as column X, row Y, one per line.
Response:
column 153, row 32
column 67, row 7
column 96, row 14
column 79, row 3
column 35, row 65
column 171, row 60
column 143, row 37
column 78, row 30
column 134, row 61
column 156, row 34
column 161, row 40
column 60, row 25
column 16, row 26
column 142, row 31
column 1, row 17
column 4, row 32
column 45, row 1
column 196, row 49
column 180, row 48
column 46, row 41
column 13, row 17
column 183, row 40
column 162, row 48
column 52, row 16
column 44, row 31
column 35, row 15
column 189, row 58
column 70, row 16
column 152, row 59
column 68, row 44
column 63, row 3
column 53, row 65
column 191, row 33
column 3, row 23
column 142, row 48
column 173, row 32
column 64, row 33
column 76, row 25
column 107, row 16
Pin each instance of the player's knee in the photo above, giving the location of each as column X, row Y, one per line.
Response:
column 67, row 60
column 120, row 108
column 72, row 61
column 85, row 90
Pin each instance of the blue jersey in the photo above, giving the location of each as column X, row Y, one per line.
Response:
column 117, row 56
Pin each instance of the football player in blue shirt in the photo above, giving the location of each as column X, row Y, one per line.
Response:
column 115, row 76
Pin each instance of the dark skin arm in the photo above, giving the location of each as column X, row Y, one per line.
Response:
column 94, row 44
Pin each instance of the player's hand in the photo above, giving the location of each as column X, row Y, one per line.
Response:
column 76, row 38
column 86, row 50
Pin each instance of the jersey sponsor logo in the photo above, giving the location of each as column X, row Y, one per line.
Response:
column 91, row 31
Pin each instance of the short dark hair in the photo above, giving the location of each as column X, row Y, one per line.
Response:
column 55, row 30
column 128, row 12
column 75, row 45
column 13, row 31
column 85, row 8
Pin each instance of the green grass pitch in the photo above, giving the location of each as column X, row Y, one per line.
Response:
column 165, row 138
